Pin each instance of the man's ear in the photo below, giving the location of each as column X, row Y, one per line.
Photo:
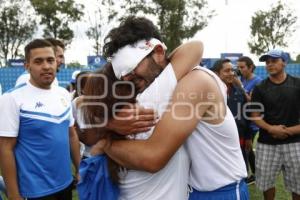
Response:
column 159, row 50
column 26, row 64
column 159, row 53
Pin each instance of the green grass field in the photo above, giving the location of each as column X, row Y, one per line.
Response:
column 281, row 193
column 255, row 194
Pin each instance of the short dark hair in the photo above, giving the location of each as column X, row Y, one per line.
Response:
column 249, row 62
column 56, row 42
column 130, row 30
column 34, row 44
column 218, row 65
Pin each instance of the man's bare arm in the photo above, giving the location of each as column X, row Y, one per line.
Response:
column 136, row 119
column 75, row 148
column 185, row 57
column 277, row 131
column 294, row 130
column 132, row 120
column 177, row 123
column 128, row 121
column 8, row 167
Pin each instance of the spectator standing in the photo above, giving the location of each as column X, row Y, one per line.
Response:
column 278, row 147
column 236, row 100
column 249, row 80
column 59, row 48
column 36, row 132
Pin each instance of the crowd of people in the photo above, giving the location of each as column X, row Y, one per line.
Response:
column 147, row 125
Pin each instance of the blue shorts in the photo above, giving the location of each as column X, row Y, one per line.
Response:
column 234, row 191
column 2, row 185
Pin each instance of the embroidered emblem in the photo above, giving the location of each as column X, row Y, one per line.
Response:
column 63, row 102
column 38, row 105
column 146, row 46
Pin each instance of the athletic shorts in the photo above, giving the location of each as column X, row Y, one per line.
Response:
column 65, row 194
column 234, row 191
column 272, row 159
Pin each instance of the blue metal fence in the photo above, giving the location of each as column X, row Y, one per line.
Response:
column 292, row 69
column 9, row 75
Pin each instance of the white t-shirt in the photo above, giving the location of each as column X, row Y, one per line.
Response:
column 170, row 183
column 214, row 150
column 25, row 76
column 40, row 120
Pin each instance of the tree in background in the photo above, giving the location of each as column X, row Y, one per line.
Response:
column 271, row 29
column 177, row 19
column 297, row 58
column 74, row 64
column 94, row 33
column 56, row 16
column 296, row 61
column 17, row 25
column 104, row 15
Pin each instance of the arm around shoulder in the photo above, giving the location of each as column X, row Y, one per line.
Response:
column 176, row 124
column 185, row 57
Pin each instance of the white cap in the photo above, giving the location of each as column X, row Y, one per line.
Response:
column 128, row 57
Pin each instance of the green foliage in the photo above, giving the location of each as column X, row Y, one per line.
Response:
column 103, row 16
column 270, row 29
column 94, row 32
column 57, row 15
column 17, row 26
column 297, row 59
column 281, row 192
column 74, row 64
column 177, row 19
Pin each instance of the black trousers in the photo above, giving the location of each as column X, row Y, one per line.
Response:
column 65, row 194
